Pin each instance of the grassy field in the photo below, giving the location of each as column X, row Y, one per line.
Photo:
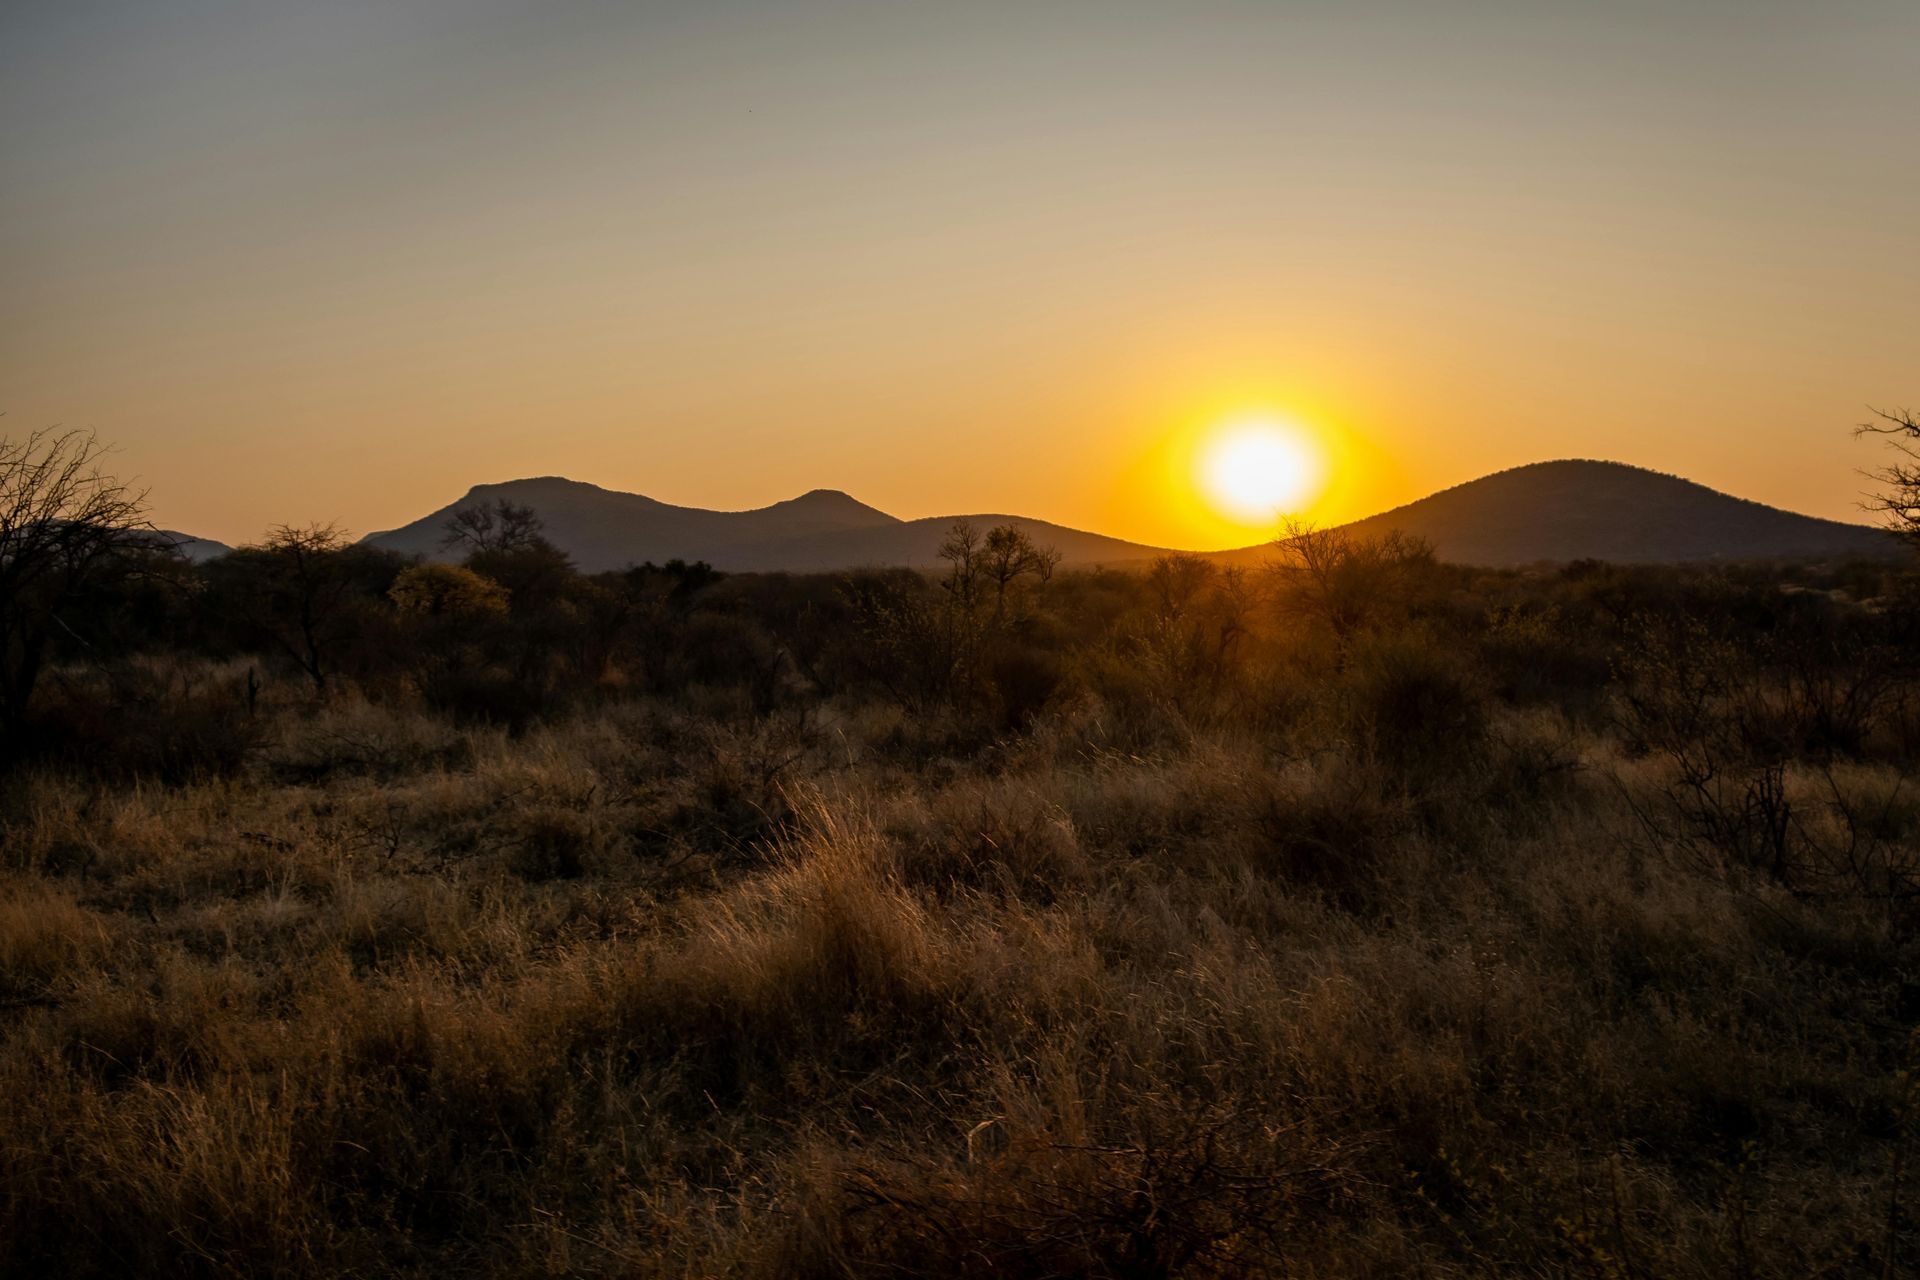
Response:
column 1170, row 924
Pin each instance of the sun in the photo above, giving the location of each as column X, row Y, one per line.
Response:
column 1256, row 470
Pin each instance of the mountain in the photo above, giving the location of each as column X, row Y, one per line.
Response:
column 821, row 530
column 194, row 549
column 1547, row 511
column 1576, row 509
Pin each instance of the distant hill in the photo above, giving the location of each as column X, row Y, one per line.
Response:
column 821, row 530
column 1583, row 510
column 194, row 549
column 1548, row 511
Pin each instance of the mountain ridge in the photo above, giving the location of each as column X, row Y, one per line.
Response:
column 1557, row 510
column 821, row 529
column 1604, row 510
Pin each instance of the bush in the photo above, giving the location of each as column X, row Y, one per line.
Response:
column 1412, row 706
column 144, row 723
column 447, row 591
column 1532, row 658
column 1330, row 837
column 492, row 696
column 1026, row 679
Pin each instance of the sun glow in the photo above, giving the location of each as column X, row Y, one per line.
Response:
column 1257, row 470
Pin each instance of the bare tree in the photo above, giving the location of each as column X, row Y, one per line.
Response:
column 1175, row 580
column 959, row 624
column 65, row 527
column 994, row 563
column 310, row 559
column 981, row 571
column 1899, row 502
column 1008, row 555
column 489, row 528
column 1199, row 613
column 1343, row 580
column 961, row 551
column 297, row 590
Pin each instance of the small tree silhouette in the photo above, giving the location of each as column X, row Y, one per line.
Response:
column 491, row 528
column 1899, row 502
column 305, row 591
column 65, row 529
column 1344, row 581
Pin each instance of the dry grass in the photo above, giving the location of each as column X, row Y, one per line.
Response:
column 646, row 992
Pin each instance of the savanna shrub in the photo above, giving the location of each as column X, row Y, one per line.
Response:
column 1532, row 657
column 1026, row 678
column 148, row 730
column 724, row 649
column 447, row 591
column 491, row 696
column 1328, row 838
column 1413, row 707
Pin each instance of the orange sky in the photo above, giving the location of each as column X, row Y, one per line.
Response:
column 343, row 261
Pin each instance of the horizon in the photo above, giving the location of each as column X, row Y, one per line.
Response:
column 980, row 512
column 1487, row 515
column 326, row 264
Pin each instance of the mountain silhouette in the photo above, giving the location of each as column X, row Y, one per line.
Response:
column 820, row 530
column 1576, row 509
column 185, row 544
column 1547, row 511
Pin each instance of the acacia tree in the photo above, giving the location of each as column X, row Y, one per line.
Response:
column 306, row 592
column 314, row 588
column 961, row 550
column 507, row 542
column 66, row 528
column 959, row 624
column 493, row 528
column 936, row 646
column 1899, row 501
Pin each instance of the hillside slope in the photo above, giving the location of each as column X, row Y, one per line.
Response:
column 1578, row 509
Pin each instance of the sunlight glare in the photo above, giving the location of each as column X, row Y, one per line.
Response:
column 1258, row 470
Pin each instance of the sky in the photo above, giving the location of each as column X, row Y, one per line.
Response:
column 343, row 261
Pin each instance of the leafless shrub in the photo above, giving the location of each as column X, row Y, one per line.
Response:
column 1344, row 582
column 1730, row 730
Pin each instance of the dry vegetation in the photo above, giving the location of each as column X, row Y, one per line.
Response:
column 1370, row 918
